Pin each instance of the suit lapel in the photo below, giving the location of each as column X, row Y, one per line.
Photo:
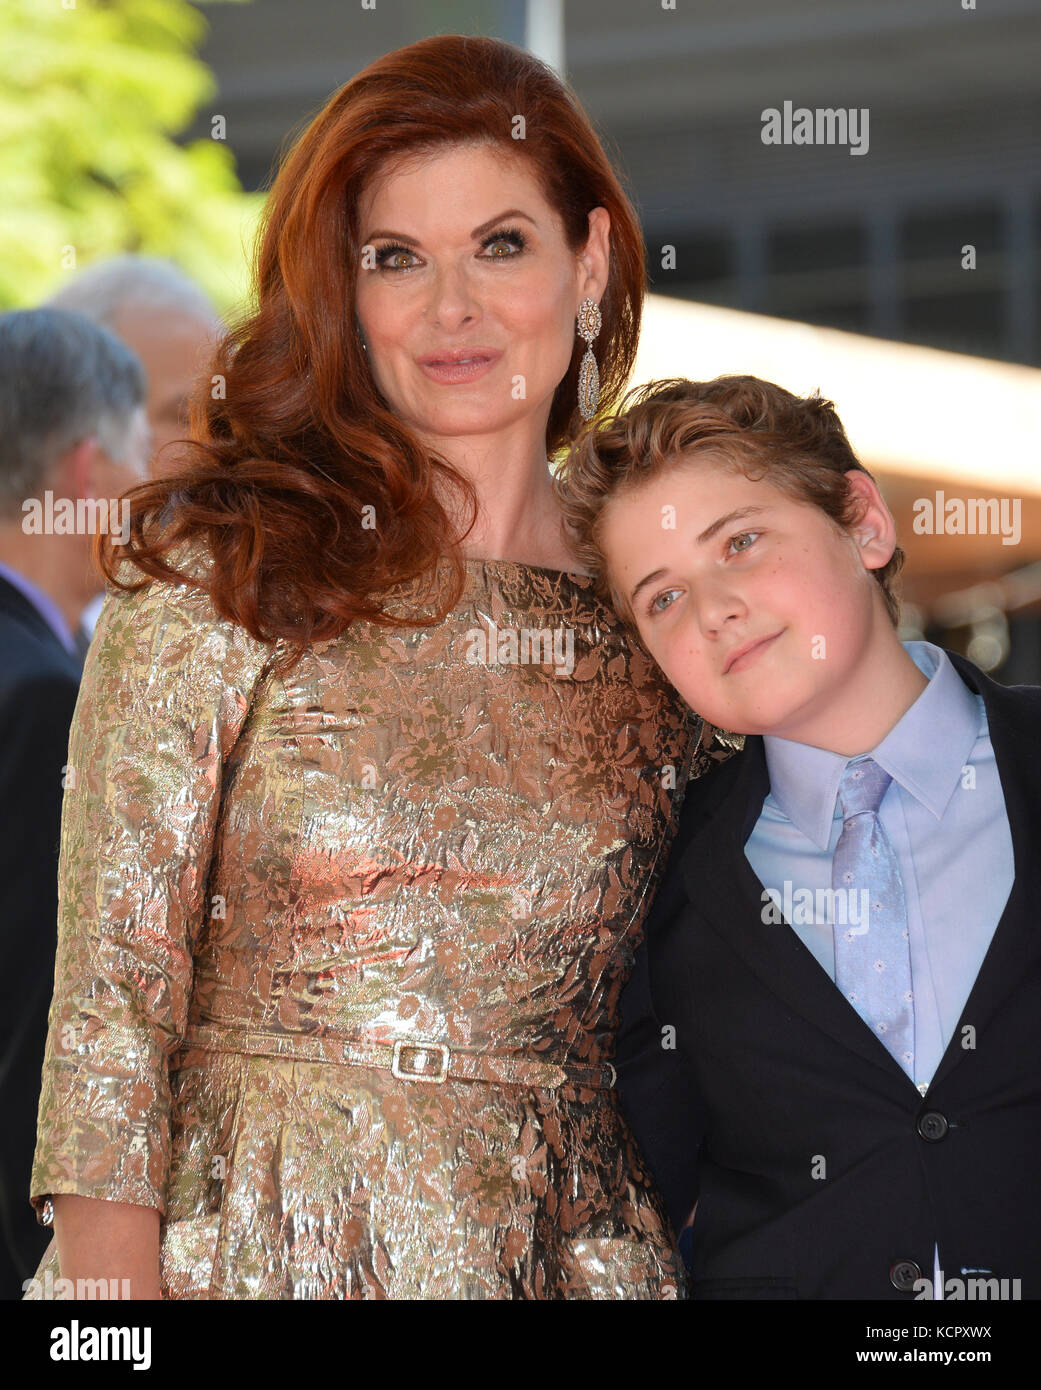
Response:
column 727, row 895
column 1013, row 729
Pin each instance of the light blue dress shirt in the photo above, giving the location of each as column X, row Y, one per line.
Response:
column 944, row 813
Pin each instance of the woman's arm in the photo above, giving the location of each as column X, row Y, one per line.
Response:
column 114, row 1241
column 167, row 686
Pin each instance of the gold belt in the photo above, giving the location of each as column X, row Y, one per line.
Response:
column 409, row 1059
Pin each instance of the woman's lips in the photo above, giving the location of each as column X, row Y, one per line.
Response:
column 450, row 373
column 752, row 654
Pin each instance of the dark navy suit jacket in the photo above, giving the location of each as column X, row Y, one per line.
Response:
column 819, row 1169
column 39, row 681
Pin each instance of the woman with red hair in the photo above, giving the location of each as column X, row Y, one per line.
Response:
column 368, row 791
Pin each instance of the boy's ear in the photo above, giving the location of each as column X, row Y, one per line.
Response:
column 874, row 530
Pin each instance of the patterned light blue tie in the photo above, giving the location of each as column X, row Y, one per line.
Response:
column 873, row 952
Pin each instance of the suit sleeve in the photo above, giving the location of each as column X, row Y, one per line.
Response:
column 166, row 688
column 656, row 1092
column 35, row 713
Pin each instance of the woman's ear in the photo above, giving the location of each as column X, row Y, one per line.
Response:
column 595, row 258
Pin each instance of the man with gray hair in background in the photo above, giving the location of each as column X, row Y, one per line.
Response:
column 164, row 316
column 73, row 437
column 172, row 326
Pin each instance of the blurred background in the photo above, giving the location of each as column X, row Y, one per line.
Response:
column 902, row 281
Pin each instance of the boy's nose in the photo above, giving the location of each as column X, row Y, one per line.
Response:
column 719, row 608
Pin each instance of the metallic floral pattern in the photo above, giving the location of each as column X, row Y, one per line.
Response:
column 410, row 837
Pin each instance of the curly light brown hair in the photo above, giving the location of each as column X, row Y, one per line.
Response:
column 798, row 443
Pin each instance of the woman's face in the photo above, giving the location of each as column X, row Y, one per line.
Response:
column 461, row 253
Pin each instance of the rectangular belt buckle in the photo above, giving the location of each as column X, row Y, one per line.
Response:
column 423, row 1047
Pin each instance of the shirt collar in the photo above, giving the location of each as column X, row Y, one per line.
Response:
column 804, row 781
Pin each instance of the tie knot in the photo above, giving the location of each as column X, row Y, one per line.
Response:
column 862, row 787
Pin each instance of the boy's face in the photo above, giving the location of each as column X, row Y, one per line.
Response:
column 761, row 619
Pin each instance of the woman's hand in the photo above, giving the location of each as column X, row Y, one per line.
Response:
column 114, row 1241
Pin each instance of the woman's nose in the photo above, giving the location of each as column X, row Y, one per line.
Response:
column 453, row 300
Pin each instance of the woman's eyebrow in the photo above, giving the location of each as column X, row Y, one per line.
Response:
column 477, row 231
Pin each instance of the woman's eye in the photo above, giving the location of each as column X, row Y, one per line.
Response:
column 510, row 237
column 382, row 257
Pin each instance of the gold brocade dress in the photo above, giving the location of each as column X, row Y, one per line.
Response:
column 340, row 955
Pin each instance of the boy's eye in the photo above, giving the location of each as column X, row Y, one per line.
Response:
column 749, row 536
column 652, row 607
column 740, row 542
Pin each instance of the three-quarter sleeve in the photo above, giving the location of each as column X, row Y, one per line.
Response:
column 166, row 688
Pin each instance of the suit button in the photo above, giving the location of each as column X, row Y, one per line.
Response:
column 904, row 1275
column 932, row 1126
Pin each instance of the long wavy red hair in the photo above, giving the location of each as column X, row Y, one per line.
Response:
column 282, row 461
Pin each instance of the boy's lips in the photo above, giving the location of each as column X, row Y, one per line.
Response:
column 748, row 651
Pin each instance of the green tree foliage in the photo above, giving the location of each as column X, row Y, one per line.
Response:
column 92, row 93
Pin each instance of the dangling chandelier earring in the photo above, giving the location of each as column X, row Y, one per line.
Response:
column 590, row 322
